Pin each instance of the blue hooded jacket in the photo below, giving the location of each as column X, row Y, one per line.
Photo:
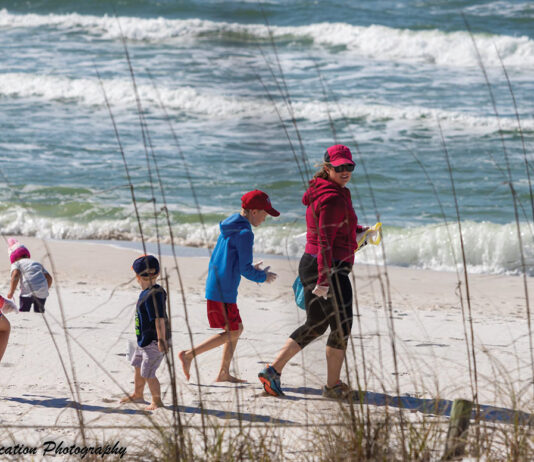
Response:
column 231, row 258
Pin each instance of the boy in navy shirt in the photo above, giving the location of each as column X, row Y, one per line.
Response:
column 231, row 259
column 151, row 329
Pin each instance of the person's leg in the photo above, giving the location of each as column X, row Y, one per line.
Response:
column 139, row 388
column 25, row 303
column 269, row 376
column 315, row 325
column 151, row 360
column 290, row 349
column 5, row 329
column 334, row 363
column 32, row 302
column 39, row 305
column 220, row 316
column 228, row 354
column 155, row 390
column 340, row 326
column 316, row 315
column 186, row 356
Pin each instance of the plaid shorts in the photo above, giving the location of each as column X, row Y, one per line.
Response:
column 148, row 359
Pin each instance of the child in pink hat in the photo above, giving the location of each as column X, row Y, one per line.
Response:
column 33, row 277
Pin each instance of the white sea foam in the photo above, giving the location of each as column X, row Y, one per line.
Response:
column 317, row 111
column 430, row 46
column 375, row 41
column 210, row 104
column 502, row 9
column 490, row 248
column 121, row 94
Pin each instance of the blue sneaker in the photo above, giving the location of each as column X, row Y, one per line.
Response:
column 270, row 380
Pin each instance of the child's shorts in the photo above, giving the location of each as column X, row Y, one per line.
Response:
column 148, row 359
column 27, row 302
column 221, row 315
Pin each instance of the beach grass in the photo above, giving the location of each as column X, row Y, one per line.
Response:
column 383, row 423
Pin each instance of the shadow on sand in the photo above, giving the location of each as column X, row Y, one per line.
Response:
column 441, row 407
column 63, row 403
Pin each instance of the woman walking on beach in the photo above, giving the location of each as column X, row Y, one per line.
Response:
column 324, row 271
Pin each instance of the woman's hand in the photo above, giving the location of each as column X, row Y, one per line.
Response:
column 321, row 291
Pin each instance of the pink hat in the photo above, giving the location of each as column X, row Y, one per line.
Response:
column 16, row 250
column 338, row 155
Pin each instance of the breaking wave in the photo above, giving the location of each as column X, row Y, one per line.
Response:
column 213, row 105
column 375, row 41
column 490, row 248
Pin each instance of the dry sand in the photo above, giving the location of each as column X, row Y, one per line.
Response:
column 95, row 285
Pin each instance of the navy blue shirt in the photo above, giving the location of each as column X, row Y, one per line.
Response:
column 151, row 305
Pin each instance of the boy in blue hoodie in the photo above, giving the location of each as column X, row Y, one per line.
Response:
column 231, row 259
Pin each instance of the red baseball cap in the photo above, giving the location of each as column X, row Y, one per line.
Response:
column 258, row 200
column 338, row 155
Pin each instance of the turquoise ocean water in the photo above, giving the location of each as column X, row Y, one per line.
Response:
column 375, row 75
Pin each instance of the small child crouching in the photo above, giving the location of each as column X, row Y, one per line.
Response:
column 33, row 277
column 151, row 329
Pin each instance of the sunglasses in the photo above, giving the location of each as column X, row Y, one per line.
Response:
column 344, row 168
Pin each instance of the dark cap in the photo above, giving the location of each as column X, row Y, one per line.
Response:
column 146, row 265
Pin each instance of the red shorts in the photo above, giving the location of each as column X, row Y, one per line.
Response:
column 223, row 315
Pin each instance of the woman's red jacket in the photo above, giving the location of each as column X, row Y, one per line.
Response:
column 331, row 225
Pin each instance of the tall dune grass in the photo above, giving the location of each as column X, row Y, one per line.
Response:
column 379, row 424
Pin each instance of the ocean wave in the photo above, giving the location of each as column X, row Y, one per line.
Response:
column 193, row 102
column 120, row 93
column 502, row 9
column 490, row 248
column 375, row 41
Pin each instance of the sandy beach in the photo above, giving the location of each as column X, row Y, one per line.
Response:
column 149, row 120
column 94, row 285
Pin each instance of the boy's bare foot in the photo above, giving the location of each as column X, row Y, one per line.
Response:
column 154, row 404
column 225, row 377
column 186, row 364
column 133, row 399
